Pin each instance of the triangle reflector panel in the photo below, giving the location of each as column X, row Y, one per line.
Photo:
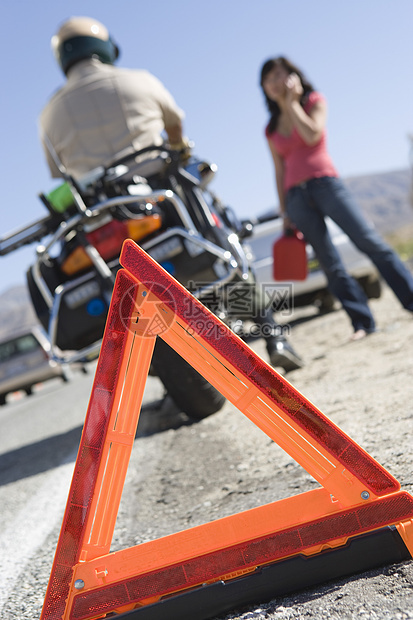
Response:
column 358, row 518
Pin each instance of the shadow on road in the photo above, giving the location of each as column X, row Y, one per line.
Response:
column 51, row 452
column 38, row 457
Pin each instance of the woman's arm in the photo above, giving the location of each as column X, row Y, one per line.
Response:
column 309, row 126
column 279, row 180
column 279, row 174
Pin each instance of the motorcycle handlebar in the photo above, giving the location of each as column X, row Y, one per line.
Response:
column 35, row 231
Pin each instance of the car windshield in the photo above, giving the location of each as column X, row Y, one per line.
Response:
column 24, row 344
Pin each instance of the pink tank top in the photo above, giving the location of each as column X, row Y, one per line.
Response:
column 301, row 161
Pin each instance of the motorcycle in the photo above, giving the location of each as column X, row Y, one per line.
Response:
column 165, row 206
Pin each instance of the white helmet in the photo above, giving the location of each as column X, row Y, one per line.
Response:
column 83, row 37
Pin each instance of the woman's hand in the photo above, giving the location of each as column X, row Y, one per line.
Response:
column 294, row 88
column 309, row 125
column 287, row 224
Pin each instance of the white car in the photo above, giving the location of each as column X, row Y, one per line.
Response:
column 312, row 290
column 25, row 361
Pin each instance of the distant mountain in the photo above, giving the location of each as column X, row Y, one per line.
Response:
column 383, row 198
column 16, row 312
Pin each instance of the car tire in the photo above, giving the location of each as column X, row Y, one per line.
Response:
column 187, row 388
column 372, row 286
column 326, row 303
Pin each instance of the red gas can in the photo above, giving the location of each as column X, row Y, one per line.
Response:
column 290, row 257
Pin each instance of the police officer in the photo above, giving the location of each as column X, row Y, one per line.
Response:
column 102, row 110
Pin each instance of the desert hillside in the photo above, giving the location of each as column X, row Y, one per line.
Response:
column 384, row 198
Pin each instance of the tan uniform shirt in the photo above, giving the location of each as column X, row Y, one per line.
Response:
column 100, row 112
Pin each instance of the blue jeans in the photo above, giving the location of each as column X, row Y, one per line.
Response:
column 307, row 206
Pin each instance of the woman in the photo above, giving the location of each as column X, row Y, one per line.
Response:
column 310, row 189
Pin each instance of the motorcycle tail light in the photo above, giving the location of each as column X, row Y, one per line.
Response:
column 108, row 240
column 138, row 229
column 76, row 261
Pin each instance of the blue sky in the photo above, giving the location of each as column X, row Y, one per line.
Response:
column 359, row 53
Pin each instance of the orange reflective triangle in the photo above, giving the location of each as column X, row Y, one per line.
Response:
column 357, row 494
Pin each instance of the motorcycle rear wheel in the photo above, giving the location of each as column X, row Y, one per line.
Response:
column 187, row 388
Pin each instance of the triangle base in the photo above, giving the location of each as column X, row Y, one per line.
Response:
column 362, row 553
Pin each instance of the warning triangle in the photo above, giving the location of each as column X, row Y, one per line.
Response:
column 359, row 516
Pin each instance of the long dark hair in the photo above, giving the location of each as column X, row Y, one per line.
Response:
column 272, row 106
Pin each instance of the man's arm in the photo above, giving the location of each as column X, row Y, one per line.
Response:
column 175, row 137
